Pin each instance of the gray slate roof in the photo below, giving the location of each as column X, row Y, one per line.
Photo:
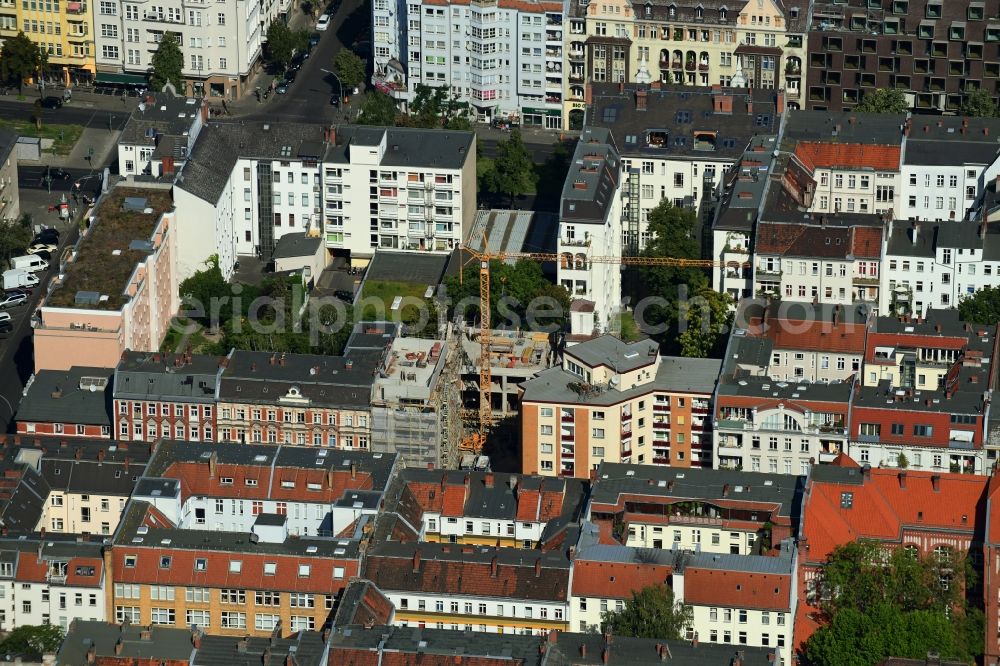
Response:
column 612, row 353
column 164, row 642
column 296, row 244
column 56, row 396
column 173, row 377
column 593, row 178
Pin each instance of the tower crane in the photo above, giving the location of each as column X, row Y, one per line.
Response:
column 477, row 439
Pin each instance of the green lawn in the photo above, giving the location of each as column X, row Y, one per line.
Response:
column 629, row 328
column 64, row 136
column 386, row 291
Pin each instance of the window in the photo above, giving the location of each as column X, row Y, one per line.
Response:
column 235, row 566
column 228, row 596
column 267, row 598
column 201, row 595
column 922, row 431
column 222, row 21
column 265, row 621
column 162, row 615
column 234, row 620
column 161, row 593
column 123, row 614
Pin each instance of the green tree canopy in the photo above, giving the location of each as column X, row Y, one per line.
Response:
column 433, row 107
column 650, row 613
column 979, row 103
column 204, row 288
column 982, row 307
column 20, row 59
column 883, row 100
column 707, row 317
column 514, row 173
column 512, row 290
column 33, row 639
column 14, row 237
column 167, row 64
column 882, row 604
column 378, row 109
column 283, row 43
column 350, row 68
column 674, row 233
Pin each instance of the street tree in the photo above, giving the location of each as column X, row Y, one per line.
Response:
column 514, row 171
column 281, row 44
column 350, row 69
column 167, row 64
column 883, row 100
column 378, row 109
column 434, row 107
column 652, row 612
column 21, row 59
column 982, row 307
column 33, row 639
column 513, row 290
column 14, row 237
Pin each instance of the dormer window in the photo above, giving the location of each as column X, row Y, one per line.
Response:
column 723, row 14
column 699, row 12
column 672, row 11
column 649, row 9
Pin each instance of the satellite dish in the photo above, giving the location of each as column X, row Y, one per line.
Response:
column 93, row 388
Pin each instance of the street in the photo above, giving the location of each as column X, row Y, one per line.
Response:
column 308, row 98
column 67, row 115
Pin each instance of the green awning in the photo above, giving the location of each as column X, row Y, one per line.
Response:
column 122, row 79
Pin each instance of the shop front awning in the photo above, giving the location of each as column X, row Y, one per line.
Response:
column 121, row 79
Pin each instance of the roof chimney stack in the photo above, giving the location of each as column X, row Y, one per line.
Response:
column 416, row 561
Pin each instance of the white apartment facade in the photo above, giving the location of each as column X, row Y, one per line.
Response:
column 936, row 265
column 221, row 41
column 504, row 58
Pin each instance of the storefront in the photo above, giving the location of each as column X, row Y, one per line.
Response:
column 547, row 118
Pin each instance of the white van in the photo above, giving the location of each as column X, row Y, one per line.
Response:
column 29, row 263
column 16, row 278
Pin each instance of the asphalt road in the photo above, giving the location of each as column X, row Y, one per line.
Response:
column 33, row 177
column 67, row 115
column 16, row 352
column 308, row 98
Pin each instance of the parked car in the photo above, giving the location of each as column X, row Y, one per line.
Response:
column 42, row 247
column 23, row 290
column 282, row 88
column 44, row 254
column 323, row 23
column 314, row 40
column 5, row 318
column 6, row 327
column 60, row 174
column 334, row 100
column 49, row 235
column 51, row 103
column 344, row 295
column 12, row 300
column 291, row 74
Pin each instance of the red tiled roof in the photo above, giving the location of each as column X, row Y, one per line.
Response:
column 823, row 155
column 866, row 242
column 527, row 504
column 816, row 336
column 616, row 580
column 31, row 569
column 993, row 528
column 73, row 578
column 453, row 502
column 737, row 589
column 195, row 480
column 881, row 508
column 876, row 339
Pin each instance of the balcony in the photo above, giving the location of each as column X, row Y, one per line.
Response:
column 567, row 437
column 866, row 281
column 764, row 271
column 703, row 67
column 735, row 424
column 689, row 65
column 661, row 407
column 626, row 452
column 826, row 457
column 792, row 93
column 577, row 55
column 627, row 433
column 75, row 8
column 576, row 77
column 626, row 416
column 566, row 472
column 695, row 520
column 576, row 242
column 567, row 455
column 566, row 418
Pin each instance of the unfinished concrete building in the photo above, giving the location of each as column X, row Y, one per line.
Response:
column 515, row 357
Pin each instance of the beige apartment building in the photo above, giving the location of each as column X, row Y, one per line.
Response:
column 116, row 289
column 611, row 401
column 757, row 44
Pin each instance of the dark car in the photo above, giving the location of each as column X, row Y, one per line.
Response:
column 291, row 74
column 51, row 103
column 44, row 254
column 314, row 39
column 60, row 174
column 6, row 328
column 47, row 236
column 344, row 295
column 281, row 88
column 334, row 100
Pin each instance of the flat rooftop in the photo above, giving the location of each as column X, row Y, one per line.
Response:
column 411, row 369
column 515, row 353
column 107, row 255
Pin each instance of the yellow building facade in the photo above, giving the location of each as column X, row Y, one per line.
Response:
column 63, row 30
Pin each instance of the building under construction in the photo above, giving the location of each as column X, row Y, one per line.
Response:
column 515, row 357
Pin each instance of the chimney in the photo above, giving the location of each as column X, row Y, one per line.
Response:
column 289, row 660
column 78, row 454
column 605, row 653
column 640, row 99
column 467, row 480
column 416, row 561
column 146, row 634
column 494, row 568
column 936, row 482
column 914, row 233
column 118, row 646
column 583, row 650
column 196, row 639
column 723, row 104
column 354, row 470
column 750, row 103
column 621, row 87
column 738, row 658
column 488, row 479
column 553, row 635
column 725, row 490
column 902, row 480
column 538, row 568
column 92, row 655
column 168, row 165
column 986, row 131
column 779, row 102
column 212, row 462
column 100, row 455
column 866, row 472
column 241, row 645
column 588, row 93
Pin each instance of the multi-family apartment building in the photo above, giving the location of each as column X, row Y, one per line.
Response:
column 302, row 399
column 770, row 425
column 926, row 513
column 701, row 510
column 617, row 402
column 165, row 396
column 801, row 341
column 64, row 31
column 158, row 138
column 486, row 508
column 221, row 42
column 934, row 51
column 456, row 586
column 923, row 400
column 740, row 198
column 117, row 289
column 67, row 403
column 946, row 166
column 590, row 225
column 936, row 264
column 502, row 58
column 246, row 540
column 51, row 580
column 753, row 45
column 676, row 143
column 990, row 582
column 279, row 178
column 10, row 198
column 741, row 599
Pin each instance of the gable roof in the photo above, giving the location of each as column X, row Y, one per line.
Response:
column 824, row 155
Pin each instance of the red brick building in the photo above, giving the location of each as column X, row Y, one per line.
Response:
column 932, row 514
column 67, row 403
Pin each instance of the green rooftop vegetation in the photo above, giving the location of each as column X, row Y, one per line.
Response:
column 103, row 260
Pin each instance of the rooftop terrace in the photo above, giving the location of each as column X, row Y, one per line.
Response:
column 107, row 254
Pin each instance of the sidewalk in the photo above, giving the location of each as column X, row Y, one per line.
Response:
column 532, row 135
column 103, row 142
